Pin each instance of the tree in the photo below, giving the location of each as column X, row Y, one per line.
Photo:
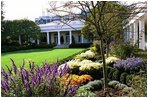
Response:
column 2, row 12
column 13, row 29
column 100, row 18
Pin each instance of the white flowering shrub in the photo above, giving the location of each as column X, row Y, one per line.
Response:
column 85, row 67
column 111, row 60
column 87, row 55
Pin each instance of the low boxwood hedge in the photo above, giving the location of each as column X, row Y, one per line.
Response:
column 81, row 45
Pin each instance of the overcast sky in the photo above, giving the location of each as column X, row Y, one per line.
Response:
column 30, row 9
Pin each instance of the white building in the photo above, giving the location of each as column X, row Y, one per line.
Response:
column 56, row 31
column 135, row 31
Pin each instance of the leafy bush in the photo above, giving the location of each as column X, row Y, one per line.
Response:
column 128, row 79
column 123, row 78
column 116, row 75
column 130, row 65
column 44, row 81
column 84, row 92
column 117, row 85
column 121, row 50
column 76, row 79
column 110, row 73
column 94, row 85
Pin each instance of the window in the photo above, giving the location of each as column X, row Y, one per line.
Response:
column 79, row 38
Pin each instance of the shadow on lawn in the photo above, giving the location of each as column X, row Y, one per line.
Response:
column 27, row 51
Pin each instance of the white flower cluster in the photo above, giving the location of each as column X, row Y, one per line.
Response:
column 73, row 64
column 84, row 65
column 87, row 54
column 111, row 60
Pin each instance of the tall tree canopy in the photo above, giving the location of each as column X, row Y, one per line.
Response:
column 11, row 30
column 2, row 10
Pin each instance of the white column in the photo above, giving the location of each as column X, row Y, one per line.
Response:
column 38, row 42
column 70, row 38
column 82, row 38
column 47, row 37
column 141, row 34
column 20, row 39
column 135, row 32
column 131, row 40
column 59, row 43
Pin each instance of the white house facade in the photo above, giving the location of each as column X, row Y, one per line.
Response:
column 55, row 31
column 135, row 31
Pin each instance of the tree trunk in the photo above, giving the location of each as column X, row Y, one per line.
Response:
column 107, row 49
column 104, row 65
column 20, row 40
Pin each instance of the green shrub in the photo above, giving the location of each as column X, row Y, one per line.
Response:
column 113, row 83
column 84, row 92
column 82, row 45
column 110, row 73
column 94, row 85
column 25, row 47
column 120, row 86
column 123, row 78
column 116, row 85
column 122, row 50
column 129, row 79
column 116, row 75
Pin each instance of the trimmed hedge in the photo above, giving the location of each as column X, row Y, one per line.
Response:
column 81, row 45
column 25, row 47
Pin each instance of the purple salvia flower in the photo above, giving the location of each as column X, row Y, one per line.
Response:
column 32, row 67
column 23, row 64
column 9, row 70
column 14, row 66
column 4, row 74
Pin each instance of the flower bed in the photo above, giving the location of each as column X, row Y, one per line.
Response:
column 36, row 82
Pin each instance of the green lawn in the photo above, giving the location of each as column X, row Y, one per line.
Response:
column 37, row 55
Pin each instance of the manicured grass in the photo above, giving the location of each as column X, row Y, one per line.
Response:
column 37, row 55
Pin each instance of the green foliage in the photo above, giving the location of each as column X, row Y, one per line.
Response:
column 139, row 84
column 94, row 85
column 84, row 92
column 117, row 85
column 110, row 72
column 116, row 75
column 16, row 47
column 11, row 30
column 123, row 78
column 128, row 79
column 113, row 83
column 121, row 50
